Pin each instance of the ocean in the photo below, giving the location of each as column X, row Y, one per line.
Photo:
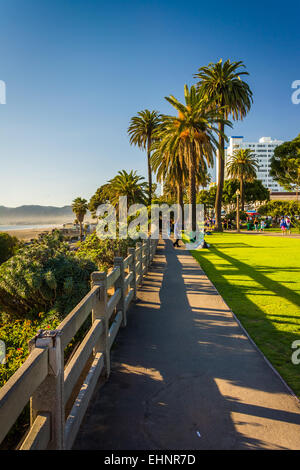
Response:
column 6, row 228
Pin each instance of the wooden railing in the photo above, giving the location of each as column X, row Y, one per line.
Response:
column 59, row 394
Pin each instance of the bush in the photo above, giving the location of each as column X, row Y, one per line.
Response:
column 102, row 252
column 280, row 208
column 43, row 276
column 8, row 246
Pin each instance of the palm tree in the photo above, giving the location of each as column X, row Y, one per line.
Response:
column 221, row 83
column 80, row 207
column 126, row 184
column 171, row 169
column 242, row 166
column 142, row 133
column 191, row 136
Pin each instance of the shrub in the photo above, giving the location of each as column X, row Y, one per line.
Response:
column 102, row 252
column 43, row 276
column 8, row 246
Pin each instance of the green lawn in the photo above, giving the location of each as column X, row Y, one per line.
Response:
column 259, row 278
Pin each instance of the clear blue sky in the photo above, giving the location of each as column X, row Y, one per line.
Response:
column 77, row 70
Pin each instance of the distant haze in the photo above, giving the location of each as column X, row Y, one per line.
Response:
column 24, row 215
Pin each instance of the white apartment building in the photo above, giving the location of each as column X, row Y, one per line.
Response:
column 263, row 150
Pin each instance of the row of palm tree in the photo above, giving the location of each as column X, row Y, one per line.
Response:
column 180, row 148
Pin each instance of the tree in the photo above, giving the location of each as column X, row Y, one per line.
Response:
column 242, row 166
column 8, row 246
column 142, row 133
column 280, row 208
column 221, row 83
column 101, row 196
column 171, row 169
column 190, row 135
column 80, row 208
column 285, row 165
column 126, row 184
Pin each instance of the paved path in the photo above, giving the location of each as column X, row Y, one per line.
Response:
column 185, row 376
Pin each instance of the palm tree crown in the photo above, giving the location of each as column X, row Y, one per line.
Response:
column 242, row 166
column 190, row 135
column 142, row 133
column 127, row 184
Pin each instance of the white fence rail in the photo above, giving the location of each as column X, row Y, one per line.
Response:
column 58, row 393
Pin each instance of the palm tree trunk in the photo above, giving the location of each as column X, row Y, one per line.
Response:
column 221, row 164
column 242, row 193
column 149, row 170
column 192, row 186
column 81, row 230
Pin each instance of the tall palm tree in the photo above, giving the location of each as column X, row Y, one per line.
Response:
column 221, row 83
column 126, row 184
column 142, row 133
column 242, row 166
column 80, row 208
column 191, row 136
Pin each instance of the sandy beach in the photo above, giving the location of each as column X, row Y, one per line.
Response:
column 26, row 235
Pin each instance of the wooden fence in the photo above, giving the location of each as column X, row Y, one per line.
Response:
column 59, row 394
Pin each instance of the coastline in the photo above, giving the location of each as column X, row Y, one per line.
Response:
column 27, row 234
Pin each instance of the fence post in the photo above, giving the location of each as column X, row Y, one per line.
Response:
column 148, row 252
column 132, row 268
column 100, row 313
column 139, row 259
column 120, row 284
column 48, row 397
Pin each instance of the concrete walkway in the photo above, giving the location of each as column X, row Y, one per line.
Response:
column 185, row 376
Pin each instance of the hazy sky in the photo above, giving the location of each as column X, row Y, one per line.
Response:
column 77, row 70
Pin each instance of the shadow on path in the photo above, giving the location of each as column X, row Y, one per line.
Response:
column 184, row 376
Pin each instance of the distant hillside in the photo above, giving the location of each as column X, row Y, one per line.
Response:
column 36, row 215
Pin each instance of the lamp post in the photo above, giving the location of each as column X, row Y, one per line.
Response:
column 238, row 193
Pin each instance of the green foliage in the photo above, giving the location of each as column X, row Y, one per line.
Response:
column 43, row 276
column 101, row 196
column 123, row 184
column 16, row 335
column 254, row 191
column 8, row 246
column 280, row 208
column 102, row 252
column 285, row 164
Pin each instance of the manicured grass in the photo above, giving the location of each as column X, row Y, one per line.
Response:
column 259, row 278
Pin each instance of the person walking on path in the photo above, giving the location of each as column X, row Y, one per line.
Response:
column 177, row 233
column 283, row 225
column 256, row 224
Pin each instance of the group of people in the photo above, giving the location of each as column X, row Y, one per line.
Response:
column 285, row 225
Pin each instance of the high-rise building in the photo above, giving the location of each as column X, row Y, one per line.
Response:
column 263, row 151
